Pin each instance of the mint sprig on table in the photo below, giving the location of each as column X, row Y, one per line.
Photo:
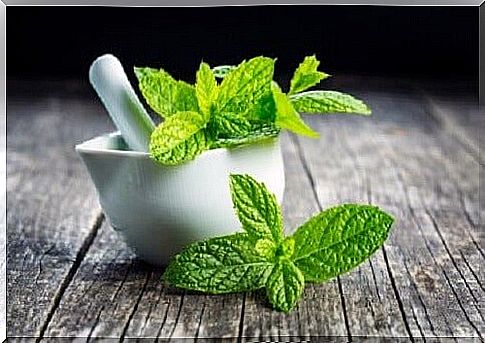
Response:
column 246, row 107
column 261, row 256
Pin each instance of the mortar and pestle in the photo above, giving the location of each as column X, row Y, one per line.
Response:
column 160, row 209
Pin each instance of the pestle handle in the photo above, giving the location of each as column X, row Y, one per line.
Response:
column 125, row 109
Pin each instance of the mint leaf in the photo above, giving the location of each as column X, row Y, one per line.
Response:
column 306, row 75
column 285, row 285
column 244, row 96
column 287, row 117
column 229, row 125
column 339, row 239
column 234, row 111
column 264, row 109
column 245, row 85
column 179, row 138
column 256, row 207
column 205, row 89
column 329, row 244
column 164, row 94
column 221, row 71
column 328, row 102
column 257, row 133
column 219, row 265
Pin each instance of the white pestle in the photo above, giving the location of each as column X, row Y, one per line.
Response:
column 125, row 109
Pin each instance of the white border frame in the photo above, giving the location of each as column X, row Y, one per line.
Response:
column 169, row 3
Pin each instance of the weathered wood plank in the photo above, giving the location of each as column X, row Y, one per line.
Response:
column 51, row 208
column 371, row 305
column 412, row 168
column 103, row 293
column 115, row 295
column 427, row 281
column 452, row 175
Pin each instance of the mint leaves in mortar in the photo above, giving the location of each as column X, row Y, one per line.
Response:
column 261, row 256
column 245, row 107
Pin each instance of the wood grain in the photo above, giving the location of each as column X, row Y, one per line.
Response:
column 70, row 274
column 416, row 171
column 51, row 209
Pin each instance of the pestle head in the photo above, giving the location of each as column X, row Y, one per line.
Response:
column 108, row 78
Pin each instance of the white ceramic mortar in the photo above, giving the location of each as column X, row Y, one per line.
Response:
column 160, row 209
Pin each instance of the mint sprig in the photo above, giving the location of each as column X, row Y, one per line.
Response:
column 235, row 108
column 327, row 245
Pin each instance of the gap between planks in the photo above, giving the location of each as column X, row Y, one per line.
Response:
column 83, row 250
column 444, row 122
column 440, row 122
column 388, row 268
column 430, row 251
column 308, row 174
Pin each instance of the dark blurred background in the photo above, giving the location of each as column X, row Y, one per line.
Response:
column 418, row 42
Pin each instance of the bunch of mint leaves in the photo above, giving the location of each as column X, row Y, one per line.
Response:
column 247, row 106
column 327, row 245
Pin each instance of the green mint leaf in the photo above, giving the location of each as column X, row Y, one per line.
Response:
column 329, row 244
column 285, row 285
column 264, row 109
column 205, row 89
column 179, row 138
column 221, row 71
column 244, row 86
column 306, row 75
column 229, row 125
column 257, row 133
column 165, row 95
column 219, row 265
column 328, row 102
column 338, row 239
column 257, row 208
column 287, row 117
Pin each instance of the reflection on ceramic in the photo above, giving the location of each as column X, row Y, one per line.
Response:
column 160, row 209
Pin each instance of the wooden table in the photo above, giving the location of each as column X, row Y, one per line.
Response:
column 70, row 274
